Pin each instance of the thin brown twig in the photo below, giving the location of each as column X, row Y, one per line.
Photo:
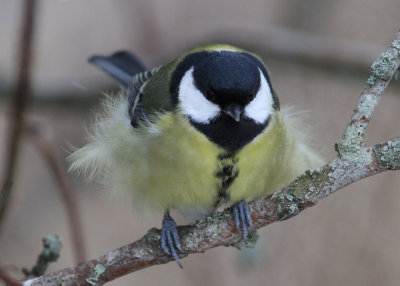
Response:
column 50, row 154
column 21, row 99
column 354, row 162
column 7, row 278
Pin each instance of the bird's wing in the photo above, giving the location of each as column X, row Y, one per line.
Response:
column 137, row 111
column 128, row 70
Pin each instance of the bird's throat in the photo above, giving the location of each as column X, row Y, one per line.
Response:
column 229, row 134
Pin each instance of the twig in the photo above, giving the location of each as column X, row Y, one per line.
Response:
column 21, row 99
column 219, row 229
column 51, row 251
column 7, row 278
column 50, row 154
column 382, row 71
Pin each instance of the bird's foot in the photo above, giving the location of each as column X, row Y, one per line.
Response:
column 170, row 238
column 243, row 219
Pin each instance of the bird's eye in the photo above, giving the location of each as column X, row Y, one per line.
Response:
column 210, row 95
column 252, row 96
column 253, row 93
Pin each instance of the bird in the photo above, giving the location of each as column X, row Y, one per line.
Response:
column 201, row 132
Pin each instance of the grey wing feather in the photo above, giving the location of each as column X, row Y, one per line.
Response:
column 126, row 68
column 121, row 66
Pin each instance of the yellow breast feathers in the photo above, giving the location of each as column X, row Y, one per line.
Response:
column 171, row 165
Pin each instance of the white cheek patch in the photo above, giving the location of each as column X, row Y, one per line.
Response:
column 259, row 109
column 193, row 103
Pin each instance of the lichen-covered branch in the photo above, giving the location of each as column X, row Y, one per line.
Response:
column 382, row 71
column 355, row 161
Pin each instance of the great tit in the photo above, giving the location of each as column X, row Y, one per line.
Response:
column 200, row 132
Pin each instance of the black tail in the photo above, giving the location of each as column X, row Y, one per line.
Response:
column 122, row 66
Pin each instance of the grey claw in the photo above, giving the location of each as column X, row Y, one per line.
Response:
column 164, row 242
column 236, row 214
column 177, row 242
column 170, row 238
column 243, row 218
column 243, row 221
column 248, row 216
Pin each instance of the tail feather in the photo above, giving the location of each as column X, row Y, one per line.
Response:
column 122, row 66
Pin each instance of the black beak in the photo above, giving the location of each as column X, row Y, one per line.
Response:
column 234, row 111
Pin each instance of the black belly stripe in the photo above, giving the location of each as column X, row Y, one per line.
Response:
column 227, row 171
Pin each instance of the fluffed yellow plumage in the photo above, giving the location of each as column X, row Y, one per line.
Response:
column 169, row 164
column 203, row 131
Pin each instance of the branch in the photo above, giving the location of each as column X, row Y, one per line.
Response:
column 354, row 162
column 21, row 99
column 382, row 71
column 10, row 281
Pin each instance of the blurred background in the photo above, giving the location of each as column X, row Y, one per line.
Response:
column 318, row 54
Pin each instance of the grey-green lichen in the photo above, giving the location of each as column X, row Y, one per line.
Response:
column 51, row 251
column 350, row 152
column 302, row 189
column 97, row 271
column 153, row 237
column 351, row 142
column 62, row 281
column 396, row 45
column 382, row 68
column 211, row 219
column 306, row 184
column 52, row 246
column 287, row 206
column 389, row 155
column 351, row 146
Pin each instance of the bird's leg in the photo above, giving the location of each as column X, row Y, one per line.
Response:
column 170, row 238
column 242, row 218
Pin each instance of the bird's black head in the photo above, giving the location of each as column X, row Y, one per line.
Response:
column 225, row 94
column 228, row 79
